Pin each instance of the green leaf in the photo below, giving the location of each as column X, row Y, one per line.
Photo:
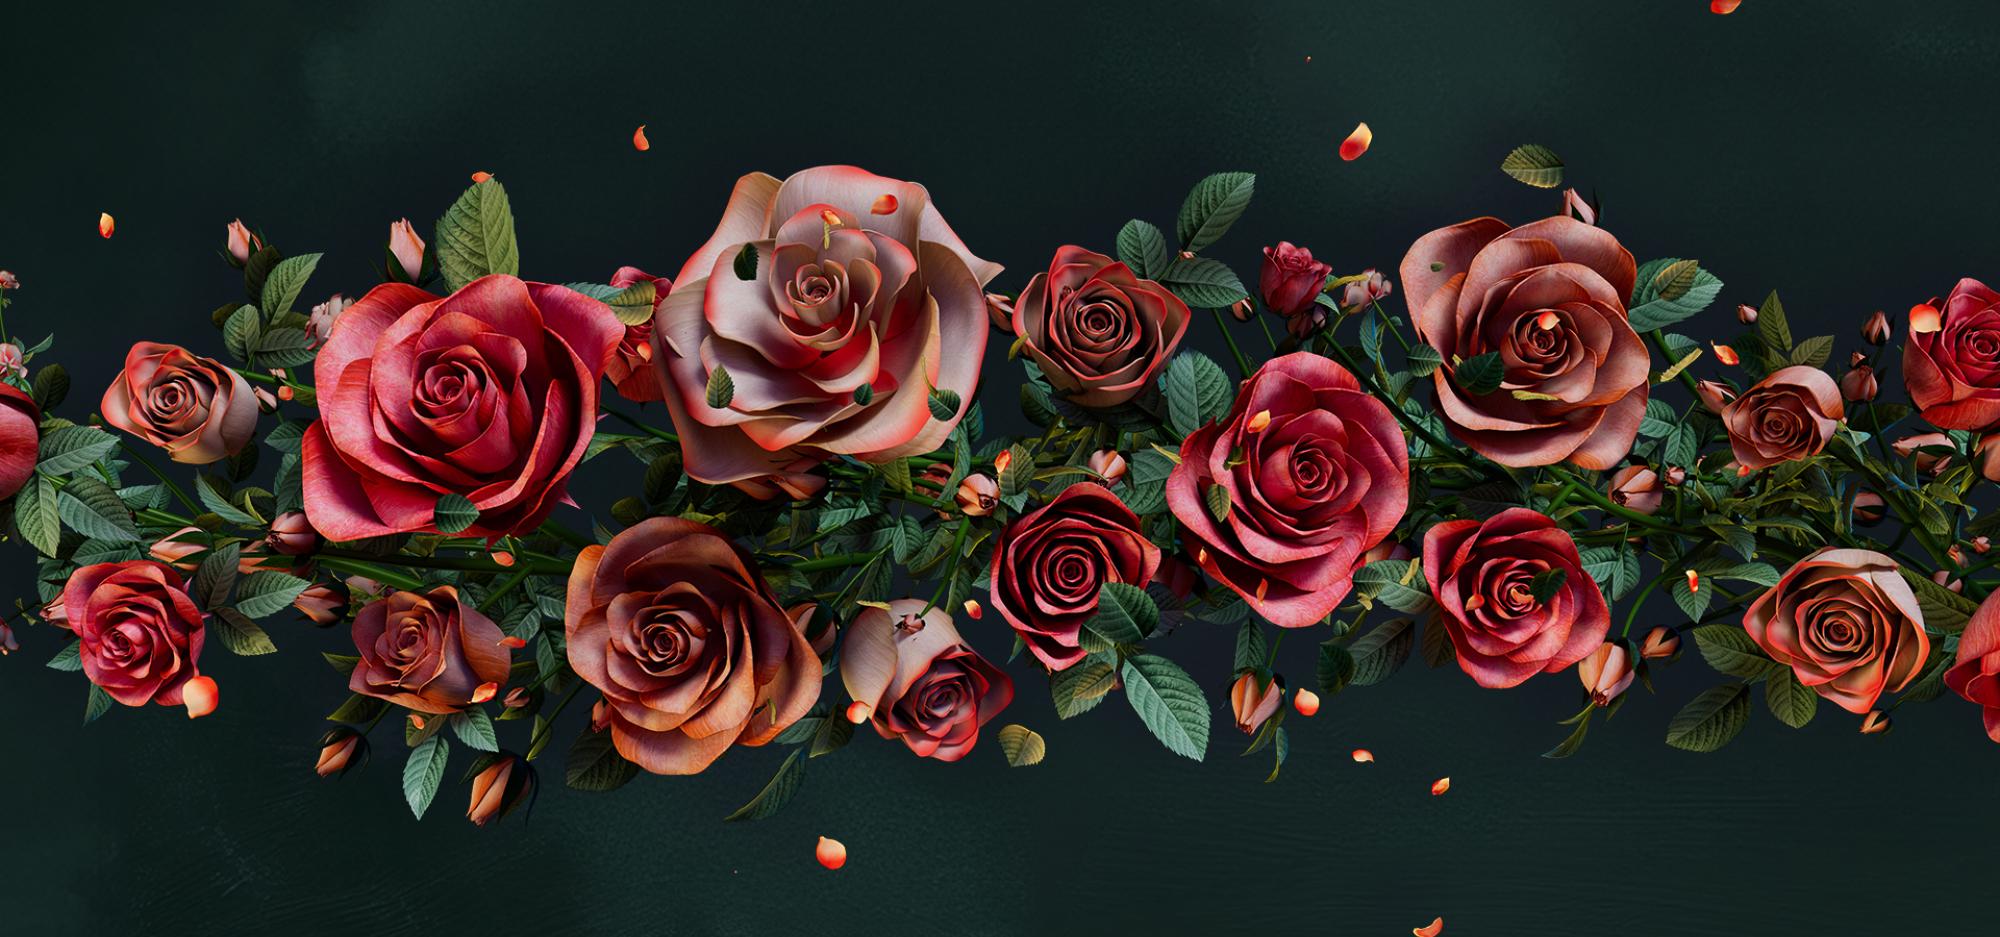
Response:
column 264, row 592
column 357, row 709
column 1813, row 352
column 241, row 331
column 212, row 499
column 424, row 771
column 1535, row 165
column 1650, row 310
column 284, row 347
column 721, row 388
column 97, row 704
column 239, row 634
column 1772, row 329
column 1169, row 702
column 1212, row 206
column 1019, row 475
column 1382, row 652
column 475, row 728
column 595, row 765
column 1569, row 746
column 1791, row 701
column 1336, row 668
column 745, row 263
column 1711, row 719
column 72, row 448
column 92, row 509
column 1729, row 649
column 1480, row 374
column 1251, row 648
column 454, row 512
column 69, row 659
column 1545, row 584
column 1203, row 283
column 778, row 792
column 1197, row 392
column 343, row 663
column 36, row 515
column 633, row 305
column 1424, row 360
column 216, row 576
column 1399, row 584
column 285, row 282
column 1022, row 746
column 944, row 404
column 1081, row 688
column 1217, row 499
column 1944, row 611
column 51, row 386
column 1142, row 247
column 476, row 236
column 864, row 395
column 1125, row 614
column 1674, row 280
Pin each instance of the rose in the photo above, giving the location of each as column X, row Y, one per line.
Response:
column 857, row 283
column 1549, row 299
column 1952, row 366
column 1846, row 623
column 505, row 783
column 1253, row 699
column 1512, row 596
column 198, row 409
column 1290, row 279
column 1790, row 414
column 1315, row 473
column 427, row 651
column 919, row 680
column 631, row 367
column 1975, row 673
column 489, row 393
column 20, row 438
column 690, row 647
column 138, row 633
column 1052, row 563
column 1099, row 333
column 406, row 251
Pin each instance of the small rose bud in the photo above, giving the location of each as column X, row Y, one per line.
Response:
column 1306, row 702
column 1925, row 318
column 1876, row 331
column 1637, row 487
column 408, row 249
column 481, row 176
column 858, row 712
column 1660, row 642
column 1714, row 395
column 1575, row 207
column 1109, row 464
column 1253, row 699
column 1746, row 314
column 54, row 614
column 240, row 242
column 1922, row 451
column 8, row 281
column 1606, row 673
column 1875, row 723
column 341, row 750
column 1676, row 475
column 1981, row 544
column 1000, row 311
column 201, row 695
column 1859, row 385
column 977, row 495
column 600, row 716
column 1955, row 554
column 1943, row 578
column 325, row 603
column 1243, row 310
column 831, row 853
column 267, row 402
column 292, row 535
column 1856, row 360
column 499, row 788
column 178, row 549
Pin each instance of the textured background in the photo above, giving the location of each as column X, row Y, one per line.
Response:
column 1838, row 150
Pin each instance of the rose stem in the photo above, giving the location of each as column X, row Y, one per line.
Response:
column 180, row 494
column 633, row 421
column 536, row 739
column 1243, row 367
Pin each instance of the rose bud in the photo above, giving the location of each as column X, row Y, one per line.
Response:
column 517, row 698
column 1371, row 288
column 179, row 549
column 1606, row 673
column 1875, row 723
column 1921, row 450
column 1981, row 545
column 1676, row 475
column 1305, row 701
column 8, row 281
column 1714, row 395
column 831, row 853
column 600, row 716
column 1869, row 507
column 408, row 250
column 1243, row 310
column 1660, row 642
column 1000, row 309
column 1859, row 384
column 1253, row 699
column 1943, row 578
column 55, row 614
column 323, row 603
column 1637, row 487
column 200, row 695
column 1108, row 464
column 977, row 495
column 1575, row 207
column 8, row 643
column 500, row 787
column 1290, row 279
column 1876, row 331
column 292, row 535
column 240, row 243
column 1746, row 314
column 341, row 750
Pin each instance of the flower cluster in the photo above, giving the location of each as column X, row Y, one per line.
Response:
column 1520, row 469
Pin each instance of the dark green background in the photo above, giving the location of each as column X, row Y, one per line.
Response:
column 1842, row 151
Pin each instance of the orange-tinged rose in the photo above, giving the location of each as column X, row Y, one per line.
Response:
column 426, row 651
column 1846, row 623
column 199, row 410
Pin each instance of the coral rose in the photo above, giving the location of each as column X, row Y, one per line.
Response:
column 844, row 295
column 489, row 393
column 139, row 634
column 198, row 409
column 1953, row 370
column 1975, row 674
column 1549, row 299
column 1846, row 623
column 1484, row 575
column 1316, row 472
column 1051, row 564
column 1099, row 333
column 920, row 681
column 693, row 652
column 631, row 367
column 1790, row 414
column 20, row 439
column 426, row 651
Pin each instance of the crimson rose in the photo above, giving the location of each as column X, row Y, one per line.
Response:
column 1290, row 279
column 138, row 633
column 1953, row 369
column 1975, row 673
column 1485, row 574
column 20, row 438
column 919, row 680
column 1052, row 563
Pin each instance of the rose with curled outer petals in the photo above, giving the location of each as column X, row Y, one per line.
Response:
column 489, row 393
column 1052, row 563
column 1953, row 371
column 1099, row 333
column 198, row 409
column 631, row 367
column 843, row 297
column 139, row 634
column 920, row 681
column 1317, row 474
column 1791, row 414
column 1549, row 297
column 426, row 651
column 1482, row 574
column 1975, row 674
column 1290, row 279
column 1846, row 623
column 20, row 438
column 691, row 649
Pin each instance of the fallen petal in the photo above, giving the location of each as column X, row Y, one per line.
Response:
column 1357, row 142
column 106, row 224
column 973, row 610
column 639, row 141
column 200, row 695
column 831, row 853
column 858, row 712
column 1726, row 354
column 1436, row 926
column 514, row 642
column 1723, row 7
column 1364, row 756
column 1306, row 702
column 1439, row 786
column 481, row 176
column 1694, row 582
column 1924, row 317
column 485, row 691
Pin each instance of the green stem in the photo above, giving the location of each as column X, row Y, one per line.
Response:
column 635, row 423
column 375, row 571
column 1242, row 363
column 506, row 585
column 179, row 493
column 532, row 563
column 549, row 721
column 832, row 561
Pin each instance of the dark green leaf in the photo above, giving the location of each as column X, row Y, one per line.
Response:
column 1711, row 719
column 1169, row 702
column 454, row 512
column 240, row 635
column 776, row 794
column 1203, row 283
column 1197, row 392
column 745, row 263
column 1791, row 701
column 1079, row 689
column 1125, row 614
column 1480, row 374
column 595, row 765
column 424, row 771
column 92, row 509
column 721, row 388
column 1212, row 206
column 72, row 448
column 475, row 728
column 1336, row 668
column 36, row 515
column 1143, row 248
column 476, row 236
column 1424, row 360
column 69, row 659
column 284, row 283
column 264, row 592
column 1383, row 651
column 1729, row 649
column 944, row 405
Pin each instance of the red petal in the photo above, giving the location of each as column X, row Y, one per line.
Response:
column 1357, row 142
column 1439, row 786
column 1723, row 7
column 886, row 205
column 106, row 224
column 639, row 139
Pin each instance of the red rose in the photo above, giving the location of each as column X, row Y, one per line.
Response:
column 1484, row 575
column 919, row 680
column 1975, row 674
column 426, row 651
column 693, row 652
column 139, row 634
column 198, row 409
column 489, row 393
column 631, row 367
column 1099, row 332
column 858, row 283
column 1052, row 563
column 1290, row 279
column 1316, row 472
column 20, row 439
column 1549, row 298
column 1953, row 369
column 1846, row 623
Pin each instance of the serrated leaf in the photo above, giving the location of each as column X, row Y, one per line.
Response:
column 944, row 405
column 51, row 386
column 96, row 704
column 69, row 659
column 37, row 517
column 1081, row 688
column 1169, row 702
column 284, row 283
column 1022, row 746
column 212, row 499
column 1142, row 247
column 73, row 448
column 1674, row 280
column 92, row 509
column 1212, row 206
column 284, row 348
column 1398, row 584
column 1791, row 701
column 1203, row 283
column 453, row 513
column 241, row 331
column 475, row 728
column 476, row 236
column 1573, row 742
column 216, row 576
column 721, row 388
column 1944, row 611
column 595, row 765
column 1217, row 499
column 1423, row 360
column 240, row 635
column 1125, row 614
column 1197, row 392
column 423, row 772
column 776, row 794
column 1813, row 352
column 1480, row 374
column 1730, row 650
column 357, row 709
column 1711, row 719
column 1773, row 330
column 1535, row 165
column 265, row 592
column 1544, row 585
column 1336, row 668
column 1251, row 648
column 1650, row 311
column 1382, row 652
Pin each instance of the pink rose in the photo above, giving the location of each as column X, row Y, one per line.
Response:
column 1484, row 575
column 198, row 409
